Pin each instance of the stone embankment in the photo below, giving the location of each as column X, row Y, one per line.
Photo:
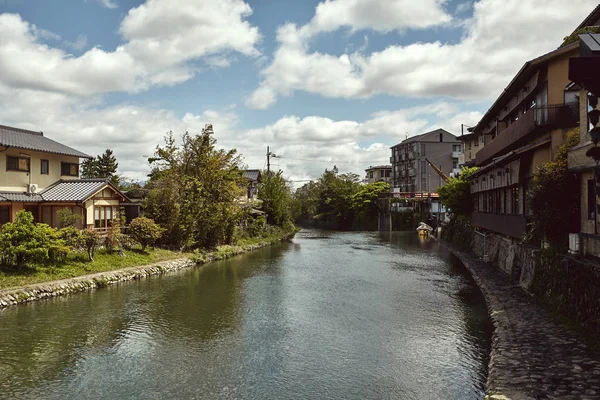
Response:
column 29, row 293
column 533, row 355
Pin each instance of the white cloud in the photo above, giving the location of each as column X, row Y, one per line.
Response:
column 78, row 44
column 109, row 3
column 497, row 40
column 162, row 38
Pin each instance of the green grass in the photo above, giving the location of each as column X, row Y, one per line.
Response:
column 78, row 265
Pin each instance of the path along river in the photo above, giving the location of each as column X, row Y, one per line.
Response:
column 330, row 315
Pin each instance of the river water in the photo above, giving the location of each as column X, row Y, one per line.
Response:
column 330, row 315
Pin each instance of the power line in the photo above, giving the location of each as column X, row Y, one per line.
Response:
column 330, row 161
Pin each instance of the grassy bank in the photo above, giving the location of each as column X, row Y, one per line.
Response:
column 77, row 265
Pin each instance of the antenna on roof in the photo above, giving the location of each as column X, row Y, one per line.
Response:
column 406, row 135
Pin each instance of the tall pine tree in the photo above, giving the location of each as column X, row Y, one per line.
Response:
column 103, row 166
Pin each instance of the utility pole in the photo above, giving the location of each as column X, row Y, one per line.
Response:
column 269, row 155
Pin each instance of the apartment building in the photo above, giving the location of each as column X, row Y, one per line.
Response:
column 521, row 131
column 379, row 173
column 411, row 172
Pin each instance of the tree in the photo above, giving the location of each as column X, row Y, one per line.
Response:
column 553, row 198
column 145, row 231
column 276, row 198
column 103, row 166
column 67, row 218
column 193, row 191
column 456, row 193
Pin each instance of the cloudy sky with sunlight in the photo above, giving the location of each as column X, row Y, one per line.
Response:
column 321, row 82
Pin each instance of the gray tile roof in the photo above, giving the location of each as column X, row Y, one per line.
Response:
column 73, row 190
column 30, row 140
column 252, row 174
column 20, row 197
column 65, row 190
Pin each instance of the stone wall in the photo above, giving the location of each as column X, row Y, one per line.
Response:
column 87, row 282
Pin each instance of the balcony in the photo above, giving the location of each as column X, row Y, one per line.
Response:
column 456, row 154
column 391, row 159
column 509, row 225
column 537, row 119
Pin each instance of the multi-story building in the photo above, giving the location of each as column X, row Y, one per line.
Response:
column 521, row 131
column 41, row 176
column 584, row 73
column 379, row 173
column 411, row 172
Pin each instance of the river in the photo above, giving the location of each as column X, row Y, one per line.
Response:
column 330, row 315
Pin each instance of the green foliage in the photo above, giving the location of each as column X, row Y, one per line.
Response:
column 113, row 240
column 194, row 190
column 90, row 240
column 22, row 243
column 276, row 198
column 456, row 193
column 553, row 198
column 574, row 37
column 103, row 166
column 67, row 218
column 72, row 237
column 145, row 231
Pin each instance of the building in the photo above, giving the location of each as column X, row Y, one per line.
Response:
column 411, row 173
column 584, row 72
column 253, row 179
column 379, row 173
column 521, row 131
column 41, row 175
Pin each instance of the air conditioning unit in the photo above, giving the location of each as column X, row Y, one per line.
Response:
column 32, row 188
column 574, row 243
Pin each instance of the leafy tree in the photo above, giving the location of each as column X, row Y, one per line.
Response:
column 553, row 197
column 276, row 198
column 194, row 190
column 574, row 37
column 456, row 193
column 145, row 231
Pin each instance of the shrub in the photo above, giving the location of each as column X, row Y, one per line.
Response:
column 72, row 237
column 145, row 231
column 67, row 218
column 114, row 238
column 22, row 242
column 90, row 240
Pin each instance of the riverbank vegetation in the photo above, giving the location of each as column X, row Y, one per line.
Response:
column 338, row 201
column 195, row 206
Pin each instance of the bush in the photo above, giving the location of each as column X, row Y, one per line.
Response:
column 113, row 240
column 145, row 231
column 90, row 240
column 72, row 237
column 67, row 218
column 22, row 242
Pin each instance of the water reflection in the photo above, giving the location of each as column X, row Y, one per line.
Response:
column 331, row 315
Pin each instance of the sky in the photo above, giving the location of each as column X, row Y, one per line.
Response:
column 323, row 83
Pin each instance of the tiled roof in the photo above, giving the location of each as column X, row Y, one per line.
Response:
column 73, row 190
column 252, row 174
column 30, row 140
column 20, row 197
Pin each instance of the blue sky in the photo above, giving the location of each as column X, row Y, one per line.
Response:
column 334, row 81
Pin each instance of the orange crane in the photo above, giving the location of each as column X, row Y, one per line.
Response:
column 436, row 169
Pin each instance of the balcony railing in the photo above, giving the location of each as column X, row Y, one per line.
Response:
column 456, row 154
column 510, row 225
column 535, row 120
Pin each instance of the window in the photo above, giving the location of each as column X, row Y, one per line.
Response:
column 454, row 163
column 371, row 175
column 17, row 164
column 103, row 215
column 456, row 147
column 422, row 149
column 476, row 142
column 45, row 167
column 68, row 169
column 381, row 172
column 441, row 136
column 591, row 198
column 387, row 173
column 515, row 201
column 4, row 214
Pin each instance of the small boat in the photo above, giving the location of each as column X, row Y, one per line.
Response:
column 424, row 230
